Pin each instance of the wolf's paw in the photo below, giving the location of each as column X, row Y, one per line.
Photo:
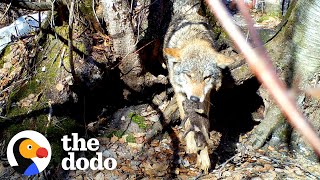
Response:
column 203, row 160
column 191, row 144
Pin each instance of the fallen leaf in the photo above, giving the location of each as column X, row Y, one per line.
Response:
column 114, row 139
column 127, row 169
column 123, row 139
column 270, row 148
column 155, row 143
column 99, row 176
column 59, row 87
column 93, row 126
column 139, row 140
column 135, row 145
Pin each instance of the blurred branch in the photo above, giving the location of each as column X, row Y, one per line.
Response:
column 260, row 64
column 37, row 6
column 5, row 12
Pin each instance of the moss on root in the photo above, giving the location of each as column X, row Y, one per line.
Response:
column 268, row 16
column 43, row 86
column 62, row 31
column 138, row 120
column 6, row 52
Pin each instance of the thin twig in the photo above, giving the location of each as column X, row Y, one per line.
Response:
column 70, row 40
column 61, row 57
column 94, row 12
column 260, row 64
column 247, row 37
column 39, row 16
column 52, row 24
column 222, row 166
column 5, row 118
column 131, row 6
column 49, row 115
column 56, row 56
column 13, row 84
column 136, row 51
column 5, row 12
column 138, row 29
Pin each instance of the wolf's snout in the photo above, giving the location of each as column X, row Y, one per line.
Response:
column 194, row 99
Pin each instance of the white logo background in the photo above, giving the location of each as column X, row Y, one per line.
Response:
column 38, row 138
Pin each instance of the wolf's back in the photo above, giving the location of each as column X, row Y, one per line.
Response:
column 186, row 25
column 185, row 6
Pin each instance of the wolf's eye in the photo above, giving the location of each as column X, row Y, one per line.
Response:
column 188, row 75
column 207, row 78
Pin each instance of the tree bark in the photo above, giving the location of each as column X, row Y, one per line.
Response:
column 297, row 62
column 120, row 29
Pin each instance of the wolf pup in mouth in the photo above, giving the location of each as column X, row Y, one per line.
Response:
column 196, row 126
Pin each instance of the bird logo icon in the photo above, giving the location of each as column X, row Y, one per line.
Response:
column 29, row 152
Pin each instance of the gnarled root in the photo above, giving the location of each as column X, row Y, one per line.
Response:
column 276, row 132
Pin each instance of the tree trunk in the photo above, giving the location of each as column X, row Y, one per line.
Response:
column 123, row 27
column 297, row 62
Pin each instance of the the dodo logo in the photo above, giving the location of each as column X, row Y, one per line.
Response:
column 29, row 152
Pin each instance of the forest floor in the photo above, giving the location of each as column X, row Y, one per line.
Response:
column 145, row 151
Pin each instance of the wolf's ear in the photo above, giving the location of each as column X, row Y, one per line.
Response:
column 223, row 61
column 173, row 52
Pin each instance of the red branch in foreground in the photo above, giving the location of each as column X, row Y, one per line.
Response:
column 260, row 64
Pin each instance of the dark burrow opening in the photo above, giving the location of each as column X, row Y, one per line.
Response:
column 235, row 110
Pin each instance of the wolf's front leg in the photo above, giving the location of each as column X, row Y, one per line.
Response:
column 191, row 144
column 203, row 160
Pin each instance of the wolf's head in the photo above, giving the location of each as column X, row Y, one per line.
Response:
column 196, row 69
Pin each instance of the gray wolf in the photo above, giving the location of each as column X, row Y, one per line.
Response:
column 193, row 63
